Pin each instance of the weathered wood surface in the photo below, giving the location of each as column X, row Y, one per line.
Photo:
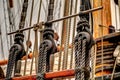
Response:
column 101, row 17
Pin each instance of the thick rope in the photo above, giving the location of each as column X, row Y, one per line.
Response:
column 83, row 55
column 12, row 59
column 73, row 35
column 42, row 66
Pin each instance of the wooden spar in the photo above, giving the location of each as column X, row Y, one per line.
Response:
column 60, row 19
column 49, row 75
column 102, row 17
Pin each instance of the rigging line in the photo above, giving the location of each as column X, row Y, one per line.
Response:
column 65, row 26
column 112, row 76
column 31, row 67
column 93, row 61
column 31, row 14
column 102, row 40
column 68, row 35
column 18, row 13
column 102, row 51
column 73, row 35
column 60, row 53
column 5, row 23
column 69, row 25
column 36, row 39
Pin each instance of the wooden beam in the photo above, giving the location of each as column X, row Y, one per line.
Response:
column 101, row 17
column 115, row 37
column 49, row 75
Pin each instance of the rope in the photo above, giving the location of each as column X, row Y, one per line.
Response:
column 10, row 64
column 13, row 57
column 93, row 61
column 78, row 59
column 42, row 61
column 73, row 35
column 60, row 52
column 32, row 60
column 83, row 58
column 102, row 52
column 31, row 14
column 65, row 35
column 36, row 48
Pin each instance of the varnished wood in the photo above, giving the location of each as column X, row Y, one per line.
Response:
column 49, row 75
column 101, row 17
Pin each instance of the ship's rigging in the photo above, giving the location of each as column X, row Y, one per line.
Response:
column 48, row 47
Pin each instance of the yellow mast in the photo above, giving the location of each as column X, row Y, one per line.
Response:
column 102, row 17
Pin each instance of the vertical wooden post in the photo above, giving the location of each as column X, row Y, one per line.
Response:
column 102, row 17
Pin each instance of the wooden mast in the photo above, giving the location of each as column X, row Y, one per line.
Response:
column 102, row 17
